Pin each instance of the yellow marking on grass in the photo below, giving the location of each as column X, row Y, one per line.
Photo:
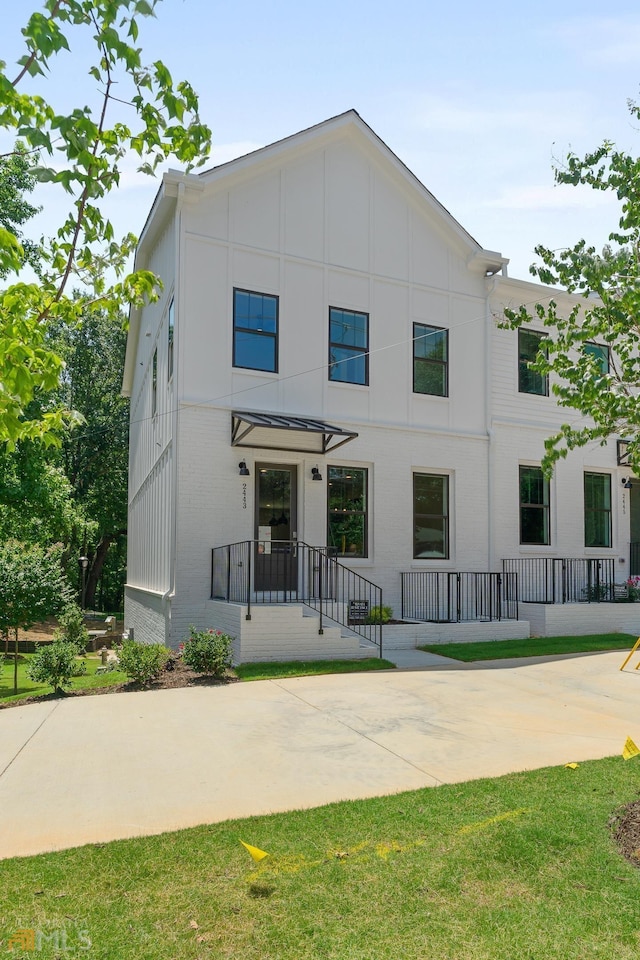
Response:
column 483, row 824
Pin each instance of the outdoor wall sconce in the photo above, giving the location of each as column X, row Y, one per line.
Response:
column 243, row 469
column 315, row 474
column 626, row 483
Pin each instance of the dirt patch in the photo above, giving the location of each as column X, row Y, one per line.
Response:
column 625, row 827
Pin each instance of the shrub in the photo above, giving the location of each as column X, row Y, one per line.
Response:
column 55, row 663
column 71, row 627
column 380, row 615
column 208, row 651
column 142, row 662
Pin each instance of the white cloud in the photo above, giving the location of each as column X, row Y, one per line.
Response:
column 548, row 197
column 610, row 40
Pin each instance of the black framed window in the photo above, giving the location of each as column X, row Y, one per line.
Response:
column 170, row 325
column 430, row 360
column 348, row 346
column 430, row 516
column 154, row 382
column 530, row 381
column 534, row 506
column 255, row 331
column 347, row 511
column 600, row 354
column 597, row 510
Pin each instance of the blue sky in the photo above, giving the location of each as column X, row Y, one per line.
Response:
column 476, row 101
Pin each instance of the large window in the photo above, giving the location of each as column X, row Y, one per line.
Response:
column 170, row 325
column 255, row 331
column 430, row 360
column 347, row 511
column 530, row 381
column 430, row 516
column 348, row 346
column 597, row 510
column 600, row 354
column 534, row 506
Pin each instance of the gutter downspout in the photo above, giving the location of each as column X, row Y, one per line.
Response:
column 488, row 412
column 177, row 306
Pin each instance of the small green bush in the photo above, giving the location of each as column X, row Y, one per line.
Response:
column 380, row 615
column 56, row 663
column 71, row 627
column 143, row 662
column 207, row 651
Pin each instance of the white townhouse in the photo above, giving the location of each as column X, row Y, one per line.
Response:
column 323, row 406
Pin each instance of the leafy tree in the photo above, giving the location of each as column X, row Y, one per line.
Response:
column 160, row 119
column 17, row 178
column 594, row 350
column 32, row 586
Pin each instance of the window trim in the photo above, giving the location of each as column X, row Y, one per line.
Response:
column 545, row 507
column 428, row 361
column 364, row 513
column 608, row 512
column 541, row 336
column 447, row 516
column 257, row 333
column 357, row 351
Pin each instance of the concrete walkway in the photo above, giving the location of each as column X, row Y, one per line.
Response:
column 98, row 768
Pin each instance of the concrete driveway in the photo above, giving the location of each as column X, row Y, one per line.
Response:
column 105, row 767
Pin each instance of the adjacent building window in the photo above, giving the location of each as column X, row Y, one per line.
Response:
column 534, row 506
column 430, row 360
column 347, row 511
column 530, row 381
column 170, row 324
column 597, row 510
column 154, row 383
column 255, row 331
column 348, row 346
column 430, row 516
column 600, row 353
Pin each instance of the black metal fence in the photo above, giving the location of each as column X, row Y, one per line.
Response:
column 563, row 580
column 290, row 571
column 440, row 597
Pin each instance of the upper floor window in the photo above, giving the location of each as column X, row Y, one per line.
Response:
column 348, row 346
column 601, row 355
column 430, row 360
column 597, row 510
column 534, row 506
column 347, row 511
column 255, row 331
column 170, row 324
column 430, row 516
column 530, row 381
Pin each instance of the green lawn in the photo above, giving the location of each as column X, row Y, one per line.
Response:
column 518, row 868
column 28, row 688
column 302, row 668
column 535, row 647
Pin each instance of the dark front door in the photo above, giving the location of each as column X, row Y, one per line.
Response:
column 276, row 528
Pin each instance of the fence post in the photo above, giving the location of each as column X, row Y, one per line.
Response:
column 320, row 590
column 249, row 547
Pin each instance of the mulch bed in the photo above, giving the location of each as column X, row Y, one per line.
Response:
column 176, row 674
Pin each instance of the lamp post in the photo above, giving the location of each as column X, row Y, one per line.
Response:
column 84, row 563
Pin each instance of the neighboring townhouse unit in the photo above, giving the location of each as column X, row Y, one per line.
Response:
column 324, row 369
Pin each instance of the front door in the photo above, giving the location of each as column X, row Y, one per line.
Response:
column 276, row 527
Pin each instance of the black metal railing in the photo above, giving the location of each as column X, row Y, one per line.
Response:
column 441, row 597
column 564, row 580
column 634, row 559
column 291, row 571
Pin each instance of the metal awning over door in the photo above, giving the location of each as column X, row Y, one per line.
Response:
column 274, row 431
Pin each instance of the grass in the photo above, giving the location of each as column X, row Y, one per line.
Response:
column 522, row 867
column 302, row 668
column 28, row 688
column 537, row 647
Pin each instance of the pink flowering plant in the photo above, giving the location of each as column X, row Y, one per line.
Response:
column 208, row 651
column 633, row 588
